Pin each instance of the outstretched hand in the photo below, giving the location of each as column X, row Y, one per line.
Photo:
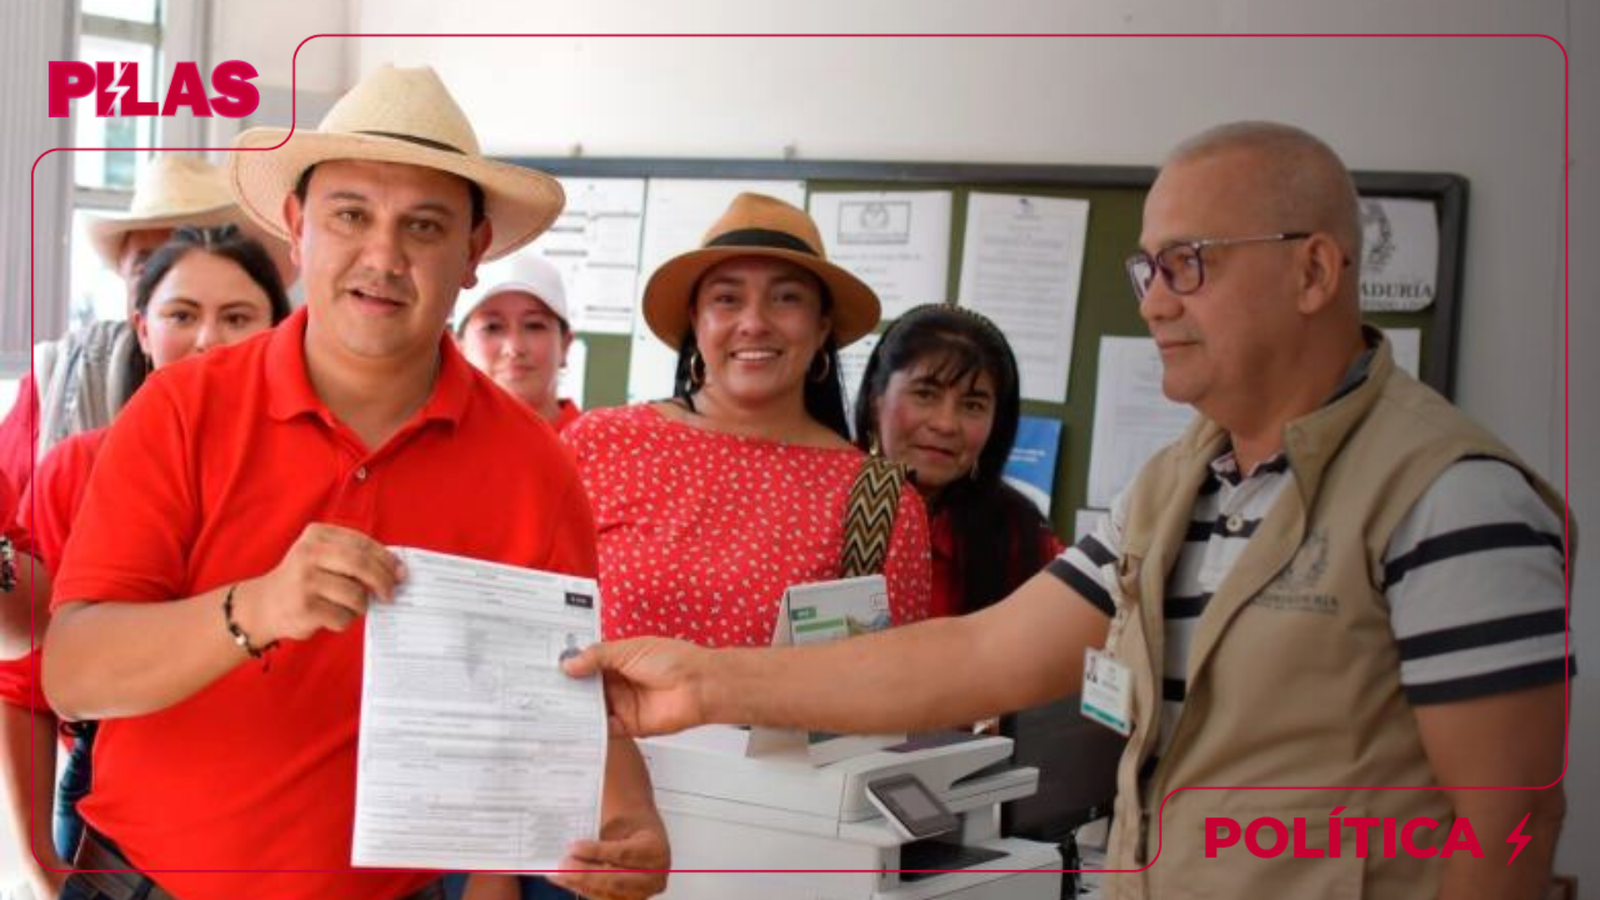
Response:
column 653, row 685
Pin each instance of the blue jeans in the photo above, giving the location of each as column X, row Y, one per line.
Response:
column 77, row 888
column 74, row 786
column 533, row 887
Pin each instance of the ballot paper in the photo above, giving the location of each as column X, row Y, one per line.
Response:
column 476, row 751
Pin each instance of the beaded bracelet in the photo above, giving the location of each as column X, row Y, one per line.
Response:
column 8, row 565
column 239, row 637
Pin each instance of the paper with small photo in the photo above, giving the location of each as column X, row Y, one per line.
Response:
column 476, row 751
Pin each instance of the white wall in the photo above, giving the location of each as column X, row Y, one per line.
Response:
column 266, row 35
column 1583, row 780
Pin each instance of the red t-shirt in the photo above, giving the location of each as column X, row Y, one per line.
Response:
column 45, row 516
column 210, row 474
column 18, row 678
column 19, row 434
column 56, row 493
column 567, row 412
column 20, row 681
column 701, row 532
column 8, row 504
column 948, row 585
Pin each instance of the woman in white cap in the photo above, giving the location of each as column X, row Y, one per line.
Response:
column 711, row 504
column 515, row 329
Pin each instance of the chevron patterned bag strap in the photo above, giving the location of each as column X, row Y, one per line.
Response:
column 869, row 516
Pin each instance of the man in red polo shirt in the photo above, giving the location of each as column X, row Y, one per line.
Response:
column 241, row 506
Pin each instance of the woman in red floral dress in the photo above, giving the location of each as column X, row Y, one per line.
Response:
column 711, row 504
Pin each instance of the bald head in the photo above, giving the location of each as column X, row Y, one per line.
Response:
column 1301, row 183
column 1267, row 330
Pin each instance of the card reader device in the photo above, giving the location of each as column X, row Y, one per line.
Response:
column 910, row 807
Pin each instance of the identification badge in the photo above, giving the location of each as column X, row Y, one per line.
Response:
column 1107, row 691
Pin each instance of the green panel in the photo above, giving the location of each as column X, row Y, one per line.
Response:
column 606, row 376
column 1105, row 305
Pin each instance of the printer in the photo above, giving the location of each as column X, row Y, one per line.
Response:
column 840, row 831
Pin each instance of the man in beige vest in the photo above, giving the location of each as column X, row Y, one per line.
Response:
column 1333, row 578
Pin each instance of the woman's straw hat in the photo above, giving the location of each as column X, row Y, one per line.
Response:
column 757, row 225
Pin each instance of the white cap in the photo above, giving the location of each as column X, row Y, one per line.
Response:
column 526, row 272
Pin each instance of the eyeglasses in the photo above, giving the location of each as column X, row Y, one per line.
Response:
column 1183, row 264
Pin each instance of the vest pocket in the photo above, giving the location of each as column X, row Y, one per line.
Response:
column 1259, row 852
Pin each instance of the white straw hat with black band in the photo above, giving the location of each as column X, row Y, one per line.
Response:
column 394, row 115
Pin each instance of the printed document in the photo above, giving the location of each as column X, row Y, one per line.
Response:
column 476, row 751
column 1132, row 417
column 595, row 244
column 1021, row 264
column 898, row 242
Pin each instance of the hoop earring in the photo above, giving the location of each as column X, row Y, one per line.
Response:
column 827, row 367
column 697, row 369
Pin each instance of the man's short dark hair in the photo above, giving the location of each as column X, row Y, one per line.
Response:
column 474, row 193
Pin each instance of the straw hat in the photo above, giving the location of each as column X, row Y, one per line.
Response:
column 399, row 116
column 757, row 225
column 171, row 191
column 526, row 272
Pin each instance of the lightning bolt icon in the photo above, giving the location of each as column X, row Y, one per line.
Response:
column 126, row 72
column 1518, row 838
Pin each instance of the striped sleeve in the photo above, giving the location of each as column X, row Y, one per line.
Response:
column 1474, row 579
column 1090, row 565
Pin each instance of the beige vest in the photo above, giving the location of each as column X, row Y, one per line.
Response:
column 1294, row 676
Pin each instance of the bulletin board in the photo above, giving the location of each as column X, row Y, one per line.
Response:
column 1106, row 306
